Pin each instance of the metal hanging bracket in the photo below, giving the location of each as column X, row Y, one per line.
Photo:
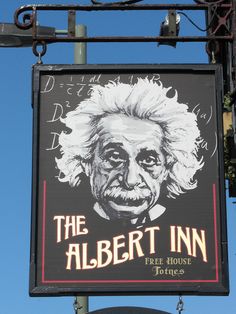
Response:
column 172, row 22
column 71, row 23
column 30, row 21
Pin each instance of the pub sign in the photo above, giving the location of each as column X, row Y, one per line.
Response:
column 128, row 180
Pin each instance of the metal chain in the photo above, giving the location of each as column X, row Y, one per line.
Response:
column 180, row 305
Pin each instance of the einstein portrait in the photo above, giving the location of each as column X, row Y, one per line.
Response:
column 134, row 143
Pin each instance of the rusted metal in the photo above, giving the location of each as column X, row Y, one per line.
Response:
column 116, row 2
column 71, row 23
column 223, row 20
column 135, row 39
column 172, row 22
column 116, row 7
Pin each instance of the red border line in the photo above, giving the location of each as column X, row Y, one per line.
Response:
column 44, row 229
column 128, row 281
column 215, row 233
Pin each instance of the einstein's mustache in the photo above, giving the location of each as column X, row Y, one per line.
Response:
column 135, row 194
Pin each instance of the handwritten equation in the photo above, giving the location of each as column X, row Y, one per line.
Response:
column 205, row 118
column 84, row 83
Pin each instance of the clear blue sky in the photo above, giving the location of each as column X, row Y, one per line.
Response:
column 15, row 157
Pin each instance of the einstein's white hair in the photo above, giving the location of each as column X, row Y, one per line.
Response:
column 146, row 100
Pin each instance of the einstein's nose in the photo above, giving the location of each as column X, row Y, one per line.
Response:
column 132, row 176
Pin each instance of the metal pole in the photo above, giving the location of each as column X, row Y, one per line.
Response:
column 81, row 304
column 80, row 56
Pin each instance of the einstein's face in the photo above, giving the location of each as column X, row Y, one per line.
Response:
column 128, row 166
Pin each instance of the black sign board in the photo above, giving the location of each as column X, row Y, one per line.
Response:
column 128, row 180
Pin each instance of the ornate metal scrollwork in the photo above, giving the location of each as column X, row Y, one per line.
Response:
column 28, row 18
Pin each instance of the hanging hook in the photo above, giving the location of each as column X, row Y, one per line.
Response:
column 213, row 59
column 39, row 53
column 180, row 305
column 212, row 49
column 40, row 58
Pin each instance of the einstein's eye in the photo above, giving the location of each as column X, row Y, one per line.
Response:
column 148, row 162
column 115, row 157
column 148, row 159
